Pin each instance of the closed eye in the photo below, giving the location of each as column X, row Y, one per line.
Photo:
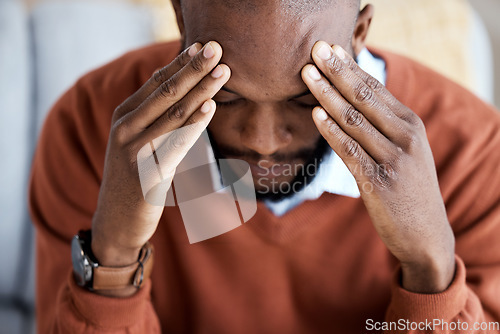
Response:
column 305, row 105
column 227, row 103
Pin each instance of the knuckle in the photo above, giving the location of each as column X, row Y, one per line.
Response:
column 382, row 179
column 419, row 124
column 412, row 118
column 120, row 131
column 332, row 127
column 190, row 121
column 326, row 90
column 390, row 169
column 383, row 176
column 183, row 57
column 197, row 64
column 352, row 65
column 119, row 111
column 413, row 140
column 351, row 148
column 203, row 86
column 160, row 76
column 175, row 112
column 373, row 83
column 336, row 66
column 351, row 116
column 167, row 89
column 177, row 140
column 364, row 93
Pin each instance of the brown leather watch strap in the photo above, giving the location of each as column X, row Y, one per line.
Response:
column 114, row 278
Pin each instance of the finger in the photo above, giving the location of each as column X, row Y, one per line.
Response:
column 373, row 83
column 359, row 163
column 176, row 87
column 170, row 148
column 396, row 106
column 356, row 91
column 352, row 122
column 157, row 79
column 177, row 115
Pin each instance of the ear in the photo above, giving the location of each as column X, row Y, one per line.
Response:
column 361, row 29
column 180, row 20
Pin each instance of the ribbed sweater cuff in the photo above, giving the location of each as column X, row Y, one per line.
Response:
column 110, row 312
column 420, row 307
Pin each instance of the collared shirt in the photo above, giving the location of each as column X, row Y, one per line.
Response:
column 332, row 175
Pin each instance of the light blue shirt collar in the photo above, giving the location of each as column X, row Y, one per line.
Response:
column 333, row 175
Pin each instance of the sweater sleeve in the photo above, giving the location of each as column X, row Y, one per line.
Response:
column 64, row 187
column 81, row 311
column 456, row 310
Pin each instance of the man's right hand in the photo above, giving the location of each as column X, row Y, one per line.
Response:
column 177, row 95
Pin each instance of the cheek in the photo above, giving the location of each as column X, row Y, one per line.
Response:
column 223, row 127
column 227, row 125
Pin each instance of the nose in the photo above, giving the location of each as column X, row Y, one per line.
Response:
column 264, row 130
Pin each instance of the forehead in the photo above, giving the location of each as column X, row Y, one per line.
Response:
column 268, row 42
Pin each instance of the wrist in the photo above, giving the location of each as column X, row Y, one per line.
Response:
column 109, row 255
column 430, row 275
column 116, row 278
column 109, row 247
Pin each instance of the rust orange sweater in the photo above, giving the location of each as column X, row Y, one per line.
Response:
column 321, row 268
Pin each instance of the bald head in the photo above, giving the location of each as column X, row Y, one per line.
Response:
column 267, row 41
column 295, row 6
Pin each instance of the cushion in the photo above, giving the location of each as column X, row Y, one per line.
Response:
column 72, row 38
column 15, row 143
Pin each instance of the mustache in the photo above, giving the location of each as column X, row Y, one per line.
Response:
column 228, row 151
column 222, row 151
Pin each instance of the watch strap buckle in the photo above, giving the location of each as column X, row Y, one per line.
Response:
column 144, row 256
column 115, row 278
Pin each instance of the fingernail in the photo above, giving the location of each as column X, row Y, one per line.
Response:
column 339, row 52
column 324, row 52
column 208, row 52
column 193, row 50
column 205, row 108
column 314, row 73
column 217, row 72
column 321, row 114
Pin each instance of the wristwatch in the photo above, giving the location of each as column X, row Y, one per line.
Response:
column 89, row 274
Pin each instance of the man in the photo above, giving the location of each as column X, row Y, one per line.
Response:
column 418, row 250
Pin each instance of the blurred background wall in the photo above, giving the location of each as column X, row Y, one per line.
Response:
column 45, row 45
column 488, row 10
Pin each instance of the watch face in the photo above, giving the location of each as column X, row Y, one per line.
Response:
column 80, row 263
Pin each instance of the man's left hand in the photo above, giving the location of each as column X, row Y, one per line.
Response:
column 384, row 145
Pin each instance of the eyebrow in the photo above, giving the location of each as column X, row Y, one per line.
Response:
column 307, row 92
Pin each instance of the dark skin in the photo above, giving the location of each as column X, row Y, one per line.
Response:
column 272, row 81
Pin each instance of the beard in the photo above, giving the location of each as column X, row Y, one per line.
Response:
column 311, row 158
